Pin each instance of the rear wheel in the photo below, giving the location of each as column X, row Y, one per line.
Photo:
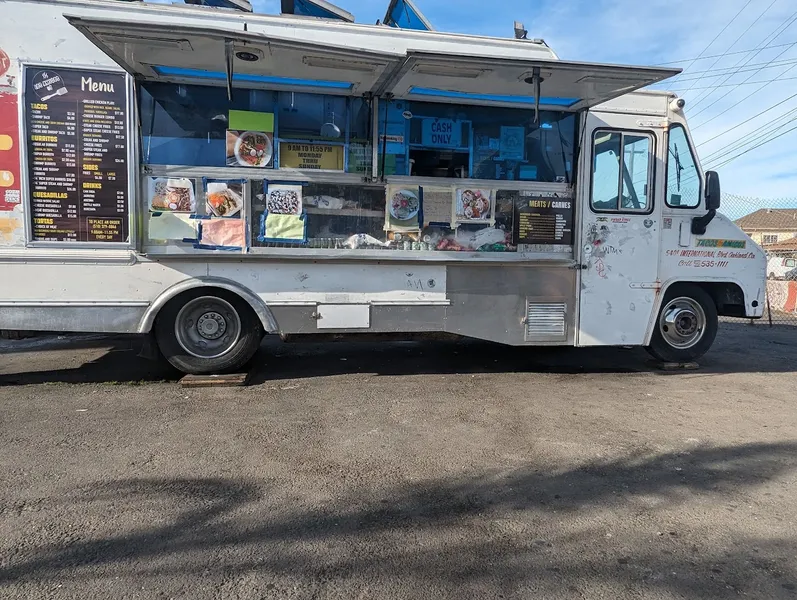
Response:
column 686, row 326
column 208, row 331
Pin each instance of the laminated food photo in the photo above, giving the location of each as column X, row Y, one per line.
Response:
column 174, row 195
column 224, row 198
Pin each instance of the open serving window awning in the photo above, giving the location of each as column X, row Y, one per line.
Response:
column 170, row 52
column 563, row 85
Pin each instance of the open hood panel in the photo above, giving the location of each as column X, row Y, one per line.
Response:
column 167, row 52
column 507, row 81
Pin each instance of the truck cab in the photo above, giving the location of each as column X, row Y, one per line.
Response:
column 659, row 262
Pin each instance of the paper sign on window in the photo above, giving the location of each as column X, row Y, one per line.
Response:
column 311, row 157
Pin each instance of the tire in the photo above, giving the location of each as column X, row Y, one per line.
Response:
column 228, row 340
column 772, row 276
column 686, row 325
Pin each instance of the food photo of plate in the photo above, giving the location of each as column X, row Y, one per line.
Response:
column 474, row 204
column 284, row 200
column 404, row 205
column 173, row 195
column 253, row 149
column 223, row 201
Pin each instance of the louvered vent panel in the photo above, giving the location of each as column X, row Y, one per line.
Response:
column 546, row 321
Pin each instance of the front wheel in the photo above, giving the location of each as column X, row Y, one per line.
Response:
column 686, row 326
column 208, row 331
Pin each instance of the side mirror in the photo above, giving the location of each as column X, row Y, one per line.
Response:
column 713, row 199
column 713, row 191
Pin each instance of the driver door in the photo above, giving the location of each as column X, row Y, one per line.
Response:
column 619, row 248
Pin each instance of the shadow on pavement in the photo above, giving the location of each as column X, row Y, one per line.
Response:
column 739, row 348
column 116, row 360
column 526, row 527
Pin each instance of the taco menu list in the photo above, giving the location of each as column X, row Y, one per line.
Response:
column 76, row 132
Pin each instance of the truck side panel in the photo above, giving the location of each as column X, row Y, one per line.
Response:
column 11, row 218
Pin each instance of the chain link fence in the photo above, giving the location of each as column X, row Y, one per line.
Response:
column 772, row 223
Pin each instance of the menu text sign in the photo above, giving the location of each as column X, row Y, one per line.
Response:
column 544, row 220
column 76, row 132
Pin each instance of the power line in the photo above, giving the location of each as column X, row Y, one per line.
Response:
column 778, row 31
column 788, row 24
column 754, row 136
column 750, row 77
column 750, row 95
column 736, row 41
column 736, row 16
column 756, row 141
column 747, row 121
column 678, row 62
column 730, row 85
column 730, row 160
column 750, row 143
column 716, row 165
column 746, row 69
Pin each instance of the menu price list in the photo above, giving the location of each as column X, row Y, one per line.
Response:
column 544, row 221
column 76, row 131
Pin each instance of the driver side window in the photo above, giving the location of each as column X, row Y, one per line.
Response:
column 622, row 172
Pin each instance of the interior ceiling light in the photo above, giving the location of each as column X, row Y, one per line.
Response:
column 449, row 71
column 117, row 38
column 247, row 56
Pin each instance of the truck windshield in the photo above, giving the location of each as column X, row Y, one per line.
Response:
column 683, row 178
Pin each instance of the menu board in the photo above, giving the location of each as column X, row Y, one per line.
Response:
column 543, row 220
column 76, row 132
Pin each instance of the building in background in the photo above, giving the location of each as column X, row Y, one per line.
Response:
column 770, row 226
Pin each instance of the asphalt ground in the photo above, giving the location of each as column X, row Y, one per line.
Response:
column 400, row 470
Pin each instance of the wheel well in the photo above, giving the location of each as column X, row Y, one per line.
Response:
column 206, row 291
column 216, row 285
column 727, row 296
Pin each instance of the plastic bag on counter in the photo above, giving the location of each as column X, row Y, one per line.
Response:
column 482, row 237
column 329, row 202
column 363, row 239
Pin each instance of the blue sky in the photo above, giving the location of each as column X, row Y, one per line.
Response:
column 660, row 31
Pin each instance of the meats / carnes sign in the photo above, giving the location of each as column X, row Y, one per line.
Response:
column 544, row 220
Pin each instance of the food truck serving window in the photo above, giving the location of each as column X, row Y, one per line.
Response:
column 195, row 125
column 476, row 142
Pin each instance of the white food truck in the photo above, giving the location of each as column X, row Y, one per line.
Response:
column 211, row 176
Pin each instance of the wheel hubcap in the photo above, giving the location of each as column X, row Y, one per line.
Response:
column 207, row 327
column 682, row 323
column 211, row 326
